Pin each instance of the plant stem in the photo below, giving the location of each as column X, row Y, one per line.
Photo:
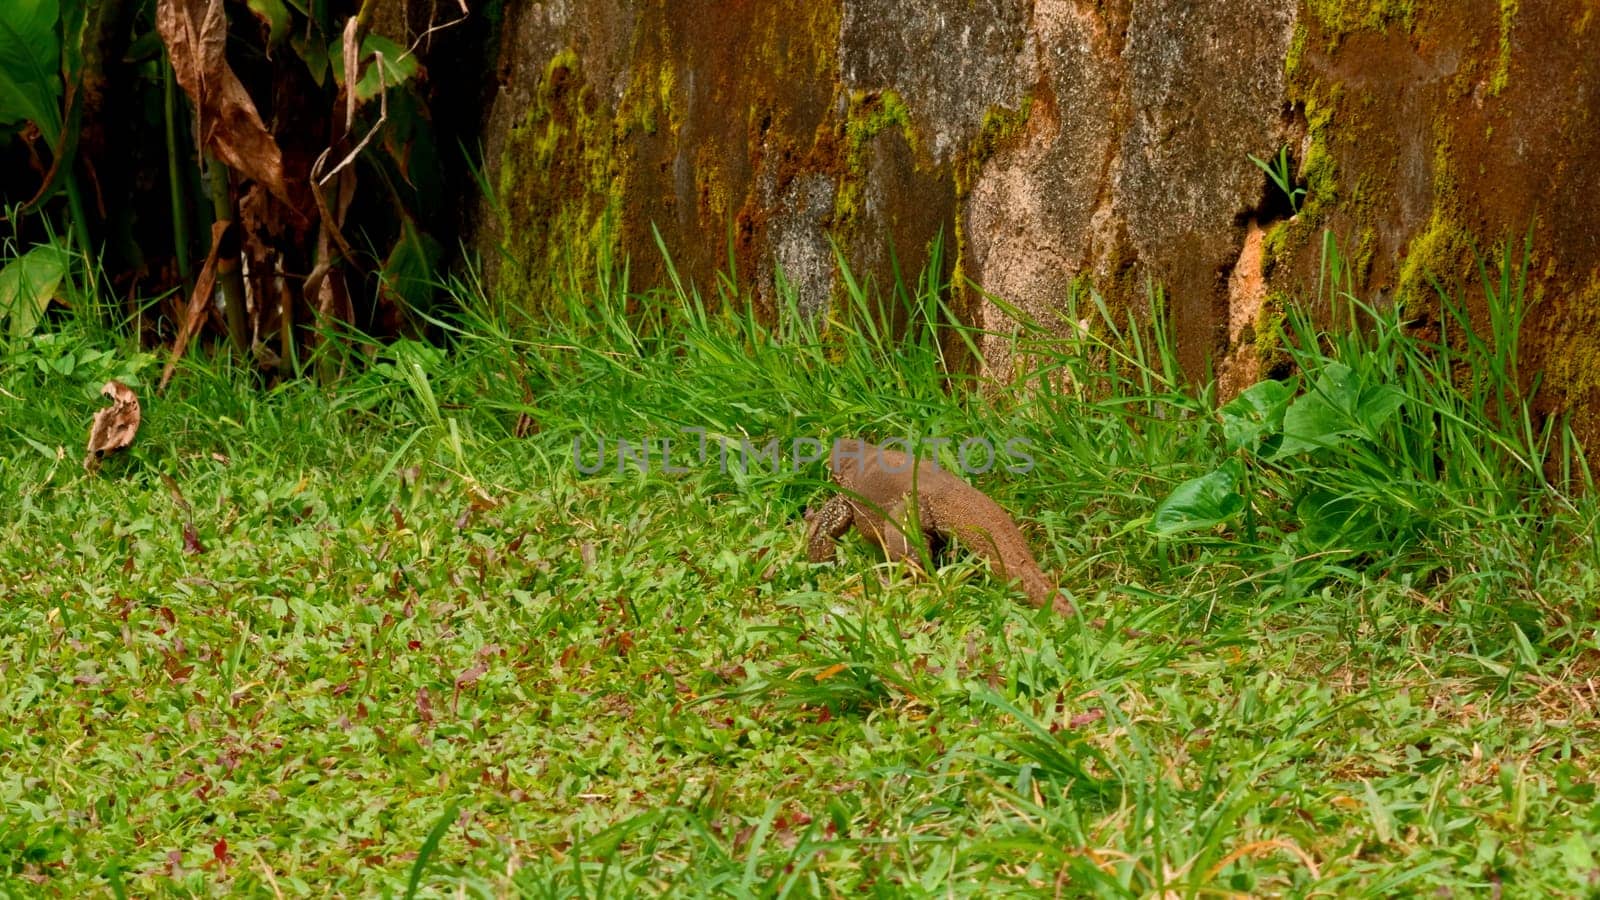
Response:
column 180, row 210
column 229, row 279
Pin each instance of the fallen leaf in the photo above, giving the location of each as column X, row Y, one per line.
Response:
column 471, row 675
column 220, row 850
column 831, row 671
column 191, row 539
column 466, row 679
column 196, row 35
column 1088, row 718
column 113, row 428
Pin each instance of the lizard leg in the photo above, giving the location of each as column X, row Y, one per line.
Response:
column 824, row 524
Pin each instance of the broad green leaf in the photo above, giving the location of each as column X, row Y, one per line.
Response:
column 1323, row 416
column 30, row 63
column 1337, row 408
column 1201, row 503
column 28, row 284
column 313, row 51
column 1328, row 519
column 1579, row 857
column 144, row 48
column 408, row 272
column 394, row 68
column 1255, row 414
column 273, row 14
column 1378, row 403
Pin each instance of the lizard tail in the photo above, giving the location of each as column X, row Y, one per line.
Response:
column 1000, row 541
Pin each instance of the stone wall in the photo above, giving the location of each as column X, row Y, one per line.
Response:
column 1059, row 140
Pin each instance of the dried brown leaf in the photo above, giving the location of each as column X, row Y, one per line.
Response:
column 196, row 35
column 467, row 679
column 175, row 492
column 194, row 314
column 191, row 539
column 471, row 676
column 1088, row 718
column 351, row 54
column 114, row 427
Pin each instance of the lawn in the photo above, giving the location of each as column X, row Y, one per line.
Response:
column 382, row 632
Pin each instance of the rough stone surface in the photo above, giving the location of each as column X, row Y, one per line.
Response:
column 952, row 60
column 1205, row 83
column 798, row 226
column 1041, row 209
column 1058, row 144
column 1448, row 129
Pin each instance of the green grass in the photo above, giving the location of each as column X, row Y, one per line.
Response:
column 415, row 652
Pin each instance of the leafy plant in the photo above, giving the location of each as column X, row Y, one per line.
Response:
column 38, row 46
column 333, row 205
column 30, row 64
column 1383, row 444
column 1281, row 172
column 29, row 283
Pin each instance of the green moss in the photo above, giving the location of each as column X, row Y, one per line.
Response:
column 1575, row 370
column 1339, row 18
column 1444, row 250
column 558, row 184
column 1502, row 66
column 1001, row 127
column 1438, row 252
column 1297, row 51
column 869, row 114
column 1361, row 257
column 1319, row 172
column 1275, row 246
column 1334, row 120
column 666, row 85
column 1268, row 326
